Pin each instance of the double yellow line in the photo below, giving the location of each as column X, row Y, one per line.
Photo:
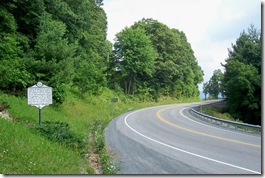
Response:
column 158, row 113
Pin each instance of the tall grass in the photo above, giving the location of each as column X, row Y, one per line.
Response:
column 24, row 152
column 218, row 110
column 86, row 116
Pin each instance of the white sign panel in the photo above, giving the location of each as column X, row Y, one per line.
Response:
column 39, row 95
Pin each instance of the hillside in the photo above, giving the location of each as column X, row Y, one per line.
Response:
column 70, row 139
column 63, row 45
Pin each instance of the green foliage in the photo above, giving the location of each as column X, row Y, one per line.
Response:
column 22, row 151
column 205, row 89
column 176, row 71
column 134, row 57
column 214, row 86
column 3, row 105
column 27, row 15
column 7, row 21
column 242, row 77
column 60, row 132
column 13, row 76
column 98, row 135
column 243, row 91
column 76, row 119
column 44, row 40
column 50, row 42
column 63, row 44
column 218, row 110
column 247, row 48
column 241, row 82
column 88, row 78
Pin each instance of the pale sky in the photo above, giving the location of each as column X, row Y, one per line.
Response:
column 211, row 26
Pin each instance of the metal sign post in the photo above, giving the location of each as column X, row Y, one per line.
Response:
column 39, row 95
column 39, row 116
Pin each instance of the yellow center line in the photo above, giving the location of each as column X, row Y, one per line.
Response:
column 200, row 133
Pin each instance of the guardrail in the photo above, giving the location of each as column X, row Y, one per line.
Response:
column 227, row 123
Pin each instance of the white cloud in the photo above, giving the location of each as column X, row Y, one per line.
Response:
column 210, row 25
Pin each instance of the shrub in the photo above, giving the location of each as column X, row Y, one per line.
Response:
column 59, row 132
column 3, row 105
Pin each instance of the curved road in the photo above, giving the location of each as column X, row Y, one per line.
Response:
column 168, row 140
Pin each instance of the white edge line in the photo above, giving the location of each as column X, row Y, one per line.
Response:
column 178, row 149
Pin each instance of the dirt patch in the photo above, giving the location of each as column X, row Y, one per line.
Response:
column 94, row 158
column 94, row 162
column 5, row 115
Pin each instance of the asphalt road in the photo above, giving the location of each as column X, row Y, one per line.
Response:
column 168, row 140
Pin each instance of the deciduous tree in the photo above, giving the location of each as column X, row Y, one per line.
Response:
column 134, row 57
column 215, row 84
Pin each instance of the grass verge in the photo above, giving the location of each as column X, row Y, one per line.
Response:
column 71, row 137
column 22, row 151
column 219, row 110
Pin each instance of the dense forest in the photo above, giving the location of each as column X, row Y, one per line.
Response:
column 62, row 43
column 240, row 83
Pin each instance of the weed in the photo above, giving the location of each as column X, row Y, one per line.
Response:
column 22, row 151
column 77, row 129
column 3, row 105
column 59, row 132
column 108, row 167
column 217, row 110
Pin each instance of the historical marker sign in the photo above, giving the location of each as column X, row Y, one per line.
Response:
column 39, row 95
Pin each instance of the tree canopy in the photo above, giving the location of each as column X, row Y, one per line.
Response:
column 62, row 43
column 215, row 85
column 243, row 91
column 134, row 57
column 47, row 40
column 175, row 70
column 242, row 77
column 241, row 82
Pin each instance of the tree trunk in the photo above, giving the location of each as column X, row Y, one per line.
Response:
column 125, row 87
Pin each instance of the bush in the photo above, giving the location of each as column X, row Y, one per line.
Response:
column 3, row 105
column 59, row 132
